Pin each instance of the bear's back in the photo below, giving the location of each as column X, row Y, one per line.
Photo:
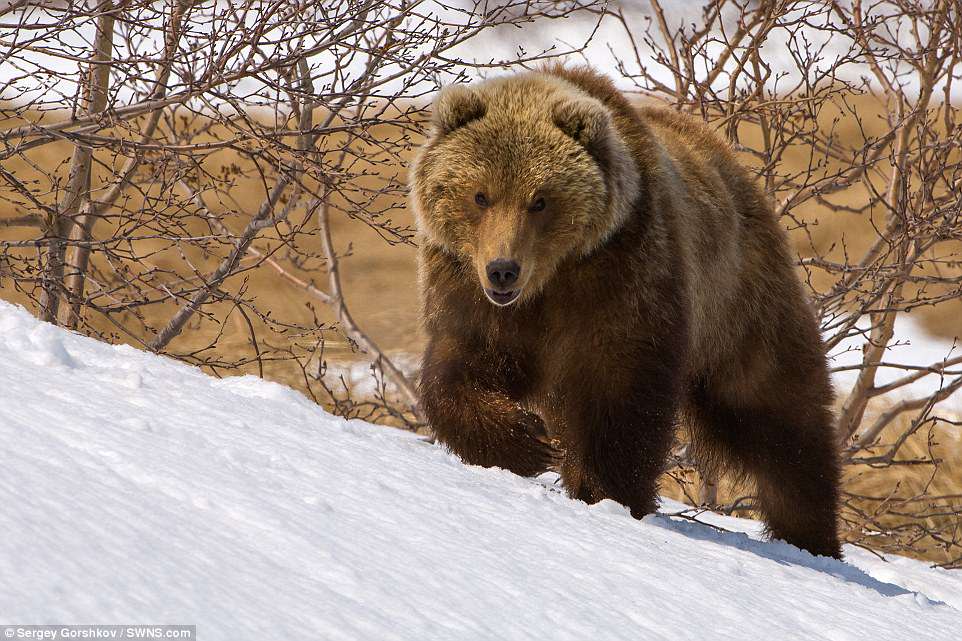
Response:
column 731, row 246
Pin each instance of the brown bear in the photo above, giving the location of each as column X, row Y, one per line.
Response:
column 591, row 272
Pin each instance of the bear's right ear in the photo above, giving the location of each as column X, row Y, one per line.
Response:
column 586, row 120
column 456, row 106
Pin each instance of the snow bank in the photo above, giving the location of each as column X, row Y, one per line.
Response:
column 138, row 490
column 910, row 345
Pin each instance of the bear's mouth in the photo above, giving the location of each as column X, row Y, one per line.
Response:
column 501, row 299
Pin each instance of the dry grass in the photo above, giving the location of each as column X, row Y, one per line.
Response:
column 379, row 278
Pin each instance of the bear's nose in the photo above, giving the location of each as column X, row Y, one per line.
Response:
column 503, row 273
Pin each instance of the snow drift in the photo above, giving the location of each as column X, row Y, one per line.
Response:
column 136, row 489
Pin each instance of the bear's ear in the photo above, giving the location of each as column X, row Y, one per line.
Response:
column 456, row 106
column 584, row 119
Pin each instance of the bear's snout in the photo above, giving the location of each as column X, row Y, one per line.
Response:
column 503, row 273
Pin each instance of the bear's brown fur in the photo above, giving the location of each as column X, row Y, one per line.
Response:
column 590, row 271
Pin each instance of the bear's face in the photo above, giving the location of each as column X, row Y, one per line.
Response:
column 519, row 174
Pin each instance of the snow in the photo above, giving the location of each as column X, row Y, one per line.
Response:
column 911, row 345
column 136, row 489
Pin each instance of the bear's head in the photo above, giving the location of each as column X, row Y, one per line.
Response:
column 518, row 174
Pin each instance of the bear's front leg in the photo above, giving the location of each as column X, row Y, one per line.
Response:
column 617, row 439
column 472, row 402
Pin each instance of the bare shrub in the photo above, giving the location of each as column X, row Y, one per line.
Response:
column 212, row 144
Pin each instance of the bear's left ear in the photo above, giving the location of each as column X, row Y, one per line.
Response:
column 586, row 120
column 456, row 106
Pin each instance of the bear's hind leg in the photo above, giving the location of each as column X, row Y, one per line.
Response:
column 788, row 450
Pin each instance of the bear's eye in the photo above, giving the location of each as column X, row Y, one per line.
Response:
column 481, row 199
column 537, row 205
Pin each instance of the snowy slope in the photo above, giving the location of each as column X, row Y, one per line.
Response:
column 135, row 489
